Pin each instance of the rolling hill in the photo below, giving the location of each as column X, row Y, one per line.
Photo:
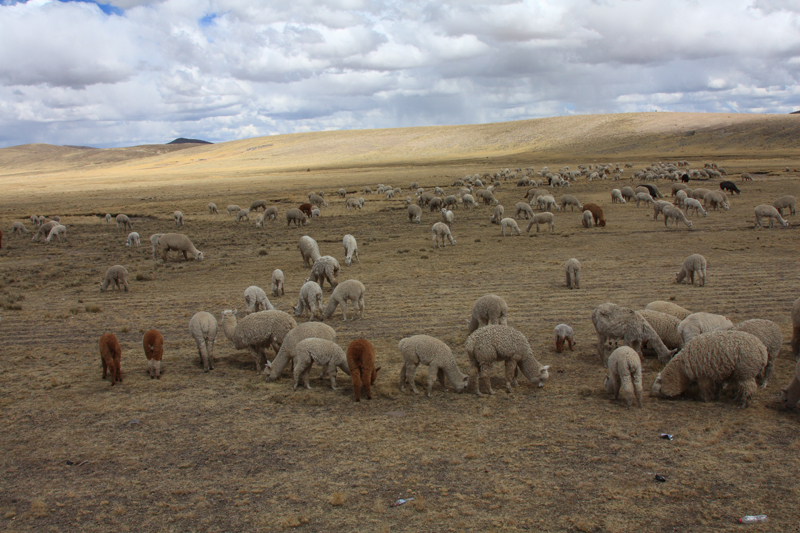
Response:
column 617, row 137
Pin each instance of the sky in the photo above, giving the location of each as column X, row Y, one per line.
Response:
column 131, row 72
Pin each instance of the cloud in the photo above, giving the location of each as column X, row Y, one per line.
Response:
column 63, row 45
column 146, row 71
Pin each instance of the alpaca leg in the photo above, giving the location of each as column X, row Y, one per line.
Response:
column 601, row 348
column 105, row 368
column 747, row 389
column 517, row 373
column 636, row 344
column 571, row 344
column 626, row 385
column 476, row 379
column 766, row 374
column 299, row 368
column 511, row 368
column 708, row 389
column 355, row 374
column 202, row 354
column 344, row 310
column 305, row 374
column 486, row 376
column 209, row 356
column 432, row 376
column 331, row 370
column 616, row 384
column 257, row 359
column 441, row 376
column 411, row 371
column 367, row 382
column 637, row 386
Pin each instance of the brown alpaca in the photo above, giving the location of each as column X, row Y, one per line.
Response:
column 111, row 354
column 154, row 350
column 597, row 214
column 560, row 344
column 361, row 360
column 306, row 208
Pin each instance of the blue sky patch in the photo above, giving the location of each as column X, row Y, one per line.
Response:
column 207, row 20
column 108, row 9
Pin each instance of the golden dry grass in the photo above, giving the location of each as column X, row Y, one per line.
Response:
column 225, row 451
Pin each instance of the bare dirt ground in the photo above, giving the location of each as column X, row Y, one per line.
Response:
column 225, row 451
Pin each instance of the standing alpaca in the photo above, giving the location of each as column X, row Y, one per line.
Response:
column 154, row 351
column 115, row 276
column 277, row 282
column 111, row 355
column 361, row 361
column 572, row 268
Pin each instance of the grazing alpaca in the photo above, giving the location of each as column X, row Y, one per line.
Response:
column 306, row 208
column 154, row 350
column 111, row 354
column 361, row 360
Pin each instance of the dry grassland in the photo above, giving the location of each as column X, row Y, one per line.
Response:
column 225, row 451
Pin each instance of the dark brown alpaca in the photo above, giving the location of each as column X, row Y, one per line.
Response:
column 111, row 355
column 597, row 214
column 361, row 360
column 154, row 350
column 306, row 208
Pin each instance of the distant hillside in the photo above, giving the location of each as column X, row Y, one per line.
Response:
column 182, row 140
column 639, row 137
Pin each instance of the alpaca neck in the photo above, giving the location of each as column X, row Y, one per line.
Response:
column 229, row 327
column 453, row 374
column 529, row 368
column 673, row 380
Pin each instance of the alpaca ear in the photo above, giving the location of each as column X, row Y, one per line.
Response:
column 235, row 311
column 376, row 370
column 545, row 367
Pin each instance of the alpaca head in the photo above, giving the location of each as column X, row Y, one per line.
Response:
column 656, row 390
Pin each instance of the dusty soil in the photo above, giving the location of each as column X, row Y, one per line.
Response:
column 225, row 451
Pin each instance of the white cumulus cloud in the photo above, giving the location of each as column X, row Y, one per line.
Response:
column 146, row 71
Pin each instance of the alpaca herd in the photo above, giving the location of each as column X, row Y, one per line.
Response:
column 709, row 351
column 697, row 349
